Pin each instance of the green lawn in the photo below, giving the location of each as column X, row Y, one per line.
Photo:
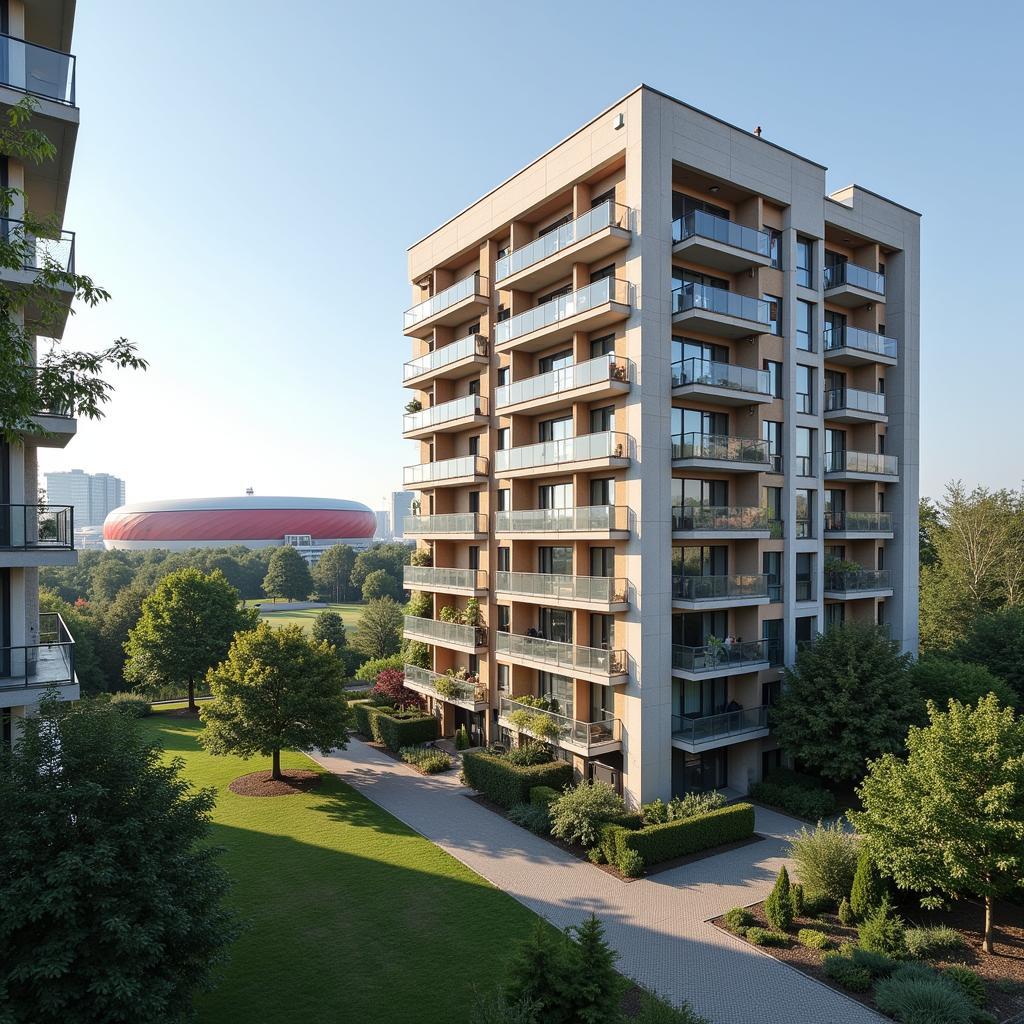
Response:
column 350, row 614
column 351, row 916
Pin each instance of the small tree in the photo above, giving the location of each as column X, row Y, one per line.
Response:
column 380, row 583
column 329, row 627
column 288, row 575
column 868, row 891
column 536, row 973
column 277, row 689
column 778, row 907
column 390, row 686
column 950, row 818
column 592, row 987
column 380, row 629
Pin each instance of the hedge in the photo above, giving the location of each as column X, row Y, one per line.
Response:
column 394, row 731
column 543, row 796
column 795, row 798
column 672, row 839
column 508, row 784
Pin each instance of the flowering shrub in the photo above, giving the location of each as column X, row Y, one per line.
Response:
column 390, row 687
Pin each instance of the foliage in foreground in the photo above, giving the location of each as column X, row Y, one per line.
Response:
column 915, row 993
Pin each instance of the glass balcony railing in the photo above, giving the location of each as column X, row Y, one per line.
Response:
column 446, row 412
column 559, row 587
column 464, row 289
column 850, row 581
column 564, row 658
column 434, row 631
column 583, row 734
column 713, row 727
column 37, row 527
column 861, row 340
column 444, row 686
column 718, row 229
column 446, row 469
column 608, row 444
column 737, row 585
column 427, row 577
column 473, row 345
column 721, row 448
column 713, row 658
column 51, row 662
column 858, row 522
column 854, row 400
column 721, row 375
column 608, row 214
column 719, row 300
column 854, row 276
column 568, row 378
column 720, row 519
column 452, row 523
column 37, row 252
column 588, row 519
column 861, row 462
column 37, row 70
column 52, row 392
column 607, row 289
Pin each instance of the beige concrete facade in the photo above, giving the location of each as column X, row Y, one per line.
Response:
column 675, row 434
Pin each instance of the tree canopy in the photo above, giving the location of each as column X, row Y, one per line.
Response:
column 332, row 573
column 380, row 629
column 288, row 575
column 938, row 677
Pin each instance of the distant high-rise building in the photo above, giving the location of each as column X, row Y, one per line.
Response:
column 93, row 495
column 401, row 506
column 383, row 531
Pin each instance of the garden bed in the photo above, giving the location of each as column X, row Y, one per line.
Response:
column 295, row 781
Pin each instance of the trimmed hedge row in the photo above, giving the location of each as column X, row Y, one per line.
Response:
column 508, row 784
column 672, row 839
column 795, row 798
column 392, row 731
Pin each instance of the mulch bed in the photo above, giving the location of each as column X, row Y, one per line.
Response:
column 295, row 781
column 1002, row 971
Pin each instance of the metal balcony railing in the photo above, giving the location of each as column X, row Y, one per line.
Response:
column 719, row 300
column 713, row 727
column 446, row 412
column 564, row 658
column 718, row 229
column 567, row 378
column 51, row 662
column 861, row 340
column 471, row 345
column 37, row 70
column 607, row 289
column 444, row 686
column 451, row 523
column 464, row 289
column 738, row 585
column 560, row 587
column 37, row 527
column 712, row 658
column 586, row 519
column 584, row 734
column 721, row 375
column 608, row 444
column 38, row 252
column 426, row 577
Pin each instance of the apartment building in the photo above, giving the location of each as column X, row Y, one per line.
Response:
column 92, row 495
column 36, row 649
column 669, row 432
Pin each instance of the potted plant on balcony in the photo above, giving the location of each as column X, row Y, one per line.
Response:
column 422, row 557
column 415, row 506
column 618, row 371
column 715, row 650
column 413, row 405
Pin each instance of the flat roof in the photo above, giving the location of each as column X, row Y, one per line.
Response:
column 860, row 188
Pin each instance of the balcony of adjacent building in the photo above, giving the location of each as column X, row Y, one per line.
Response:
column 600, row 304
column 721, row 658
column 731, row 590
column 866, row 466
column 591, row 237
column 847, row 284
column 585, row 738
column 606, row 449
column 451, row 525
column 857, row 584
column 556, row 590
column 605, row 377
column 710, row 731
column 50, row 662
column 452, row 635
column 852, row 405
column 37, row 535
column 440, row 580
column 448, row 417
column 723, row 453
column 713, row 241
column 458, row 472
column 466, row 357
column 858, row 525
column 44, row 314
column 593, row 522
column 463, row 693
column 596, row 664
column 721, row 383
column 732, row 522
column 717, row 311
column 851, row 346
column 54, row 418
column 463, row 301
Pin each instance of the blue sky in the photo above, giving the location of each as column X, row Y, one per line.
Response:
column 249, row 175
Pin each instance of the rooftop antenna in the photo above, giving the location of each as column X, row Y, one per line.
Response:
column 249, row 492
column 757, row 131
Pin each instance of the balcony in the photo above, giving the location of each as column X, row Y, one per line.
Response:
column 594, row 593
column 720, row 659
column 595, row 235
column 846, row 284
column 733, row 590
column 458, row 472
column 43, row 316
column 462, row 358
column 471, row 639
column 461, row 692
column 471, row 582
column 851, row 405
column 603, row 377
column 459, row 414
column 585, row 738
column 720, row 383
column 471, row 525
column 858, row 525
column 606, row 450
column 51, row 662
column 852, row 346
column 607, row 668
column 461, row 302
column 722, row 452
column 716, row 311
column 725, row 522
column 593, row 522
column 696, row 734
column 716, row 242
column 598, row 305
column 37, row 70
column 37, row 535
column 53, row 415
column 847, row 465
column 855, row 584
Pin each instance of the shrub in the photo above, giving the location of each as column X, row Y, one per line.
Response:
column 883, row 931
column 390, row 686
column 654, row 1010
column 778, row 907
column 543, row 796
column 527, row 754
column 394, row 728
column 462, row 738
column 531, row 817
column 576, row 815
column 969, row 981
column 766, row 937
column 608, row 840
column 630, row 863
column 493, row 1008
column 369, row 670
column 876, row 964
column 428, row 759
column 499, row 778
column 845, row 912
column 134, row 705
column 595, row 854
column 655, row 813
column 915, row 994
column 796, row 899
column 800, row 801
column 826, row 859
column 935, row 942
column 690, row 805
column 813, row 938
column 844, row 972
column 738, row 920
column 656, row 843
column 360, row 694
column 867, row 890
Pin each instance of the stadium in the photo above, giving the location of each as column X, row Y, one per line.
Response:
column 308, row 524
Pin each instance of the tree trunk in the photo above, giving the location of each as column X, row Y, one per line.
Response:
column 986, row 943
column 192, row 696
column 275, row 771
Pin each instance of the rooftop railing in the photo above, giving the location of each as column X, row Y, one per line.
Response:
column 560, row 657
column 37, row 527
column 586, row 519
column 567, row 378
column 446, row 469
column 446, row 412
column 721, row 448
column 584, row 734
column 718, row 229
column 51, row 662
column 607, row 289
column 721, row 375
column 473, row 345
column 713, row 727
column 450, row 523
column 712, row 658
column 560, row 587
column 608, row 444
column 37, row 69
column 737, row 585
column 464, row 289
column 859, row 339
column 722, row 301
column 855, row 276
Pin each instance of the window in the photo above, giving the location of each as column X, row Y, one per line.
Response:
column 474, row 386
column 804, row 326
column 558, row 690
column 775, row 247
column 602, row 346
column 602, row 492
column 602, row 632
column 604, row 197
column 774, row 313
column 805, row 629
column 554, row 226
column 503, row 670
column 804, row 576
column 772, row 433
column 771, row 632
column 504, row 618
column 503, row 436
column 774, row 376
column 804, row 526
column 803, row 462
column 474, row 445
column 602, row 562
column 474, row 328
column 474, row 501
column 474, row 557
column 554, row 430
column 600, row 275
column 804, row 389
column 554, row 496
column 504, row 559
column 602, row 419
column 555, row 361
column 504, row 504
column 804, row 261
column 557, row 560
column 556, row 294
column 835, row 615
column 771, row 499
column 771, row 566
column 502, row 376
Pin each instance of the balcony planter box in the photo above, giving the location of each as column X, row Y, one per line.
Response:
column 508, row 784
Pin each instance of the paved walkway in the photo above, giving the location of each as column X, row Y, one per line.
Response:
column 658, row 925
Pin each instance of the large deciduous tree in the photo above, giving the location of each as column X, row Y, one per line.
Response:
column 288, row 575
column 380, row 583
column 939, row 678
column 332, row 573
column 996, row 641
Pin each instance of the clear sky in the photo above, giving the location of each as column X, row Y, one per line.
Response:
column 249, row 175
